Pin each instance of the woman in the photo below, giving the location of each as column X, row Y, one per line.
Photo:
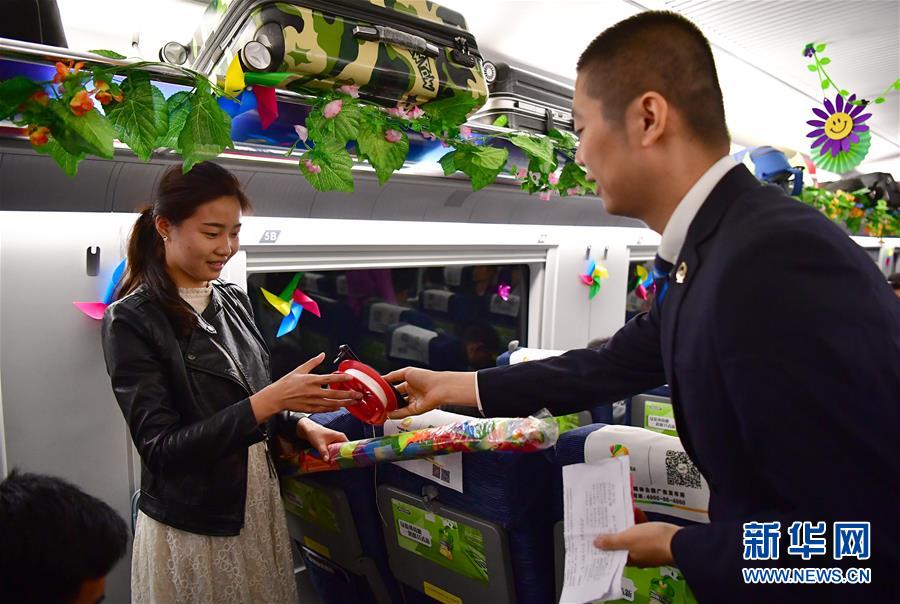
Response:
column 190, row 371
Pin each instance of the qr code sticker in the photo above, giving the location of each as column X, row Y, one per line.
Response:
column 681, row 471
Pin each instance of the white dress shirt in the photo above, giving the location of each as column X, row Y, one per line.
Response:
column 677, row 227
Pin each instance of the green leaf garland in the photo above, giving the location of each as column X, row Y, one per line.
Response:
column 335, row 167
column 67, row 126
column 141, row 119
column 207, row 129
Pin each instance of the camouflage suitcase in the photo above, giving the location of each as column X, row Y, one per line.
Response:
column 527, row 100
column 395, row 52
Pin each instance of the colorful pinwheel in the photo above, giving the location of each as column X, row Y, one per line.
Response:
column 645, row 282
column 592, row 277
column 842, row 139
column 95, row 309
column 503, row 291
column 291, row 304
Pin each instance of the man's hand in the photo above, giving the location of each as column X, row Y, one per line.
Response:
column 426, row 390
column 648, row 544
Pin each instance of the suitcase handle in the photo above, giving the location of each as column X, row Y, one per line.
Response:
column 389, row 35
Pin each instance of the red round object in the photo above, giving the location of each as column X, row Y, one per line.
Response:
column 370, row 409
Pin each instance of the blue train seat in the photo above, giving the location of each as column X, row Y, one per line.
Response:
column 653, row 410
column 504, row 503
column 570, row 449
column 376, row 318
column 451, row 310
column 333, row 522
column 504, row 315
column 324, row 284
column 411, row 345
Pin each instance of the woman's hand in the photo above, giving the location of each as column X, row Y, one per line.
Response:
column 303, row 391
column 319, row 436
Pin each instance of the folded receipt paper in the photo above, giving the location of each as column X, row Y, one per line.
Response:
column 597, row 500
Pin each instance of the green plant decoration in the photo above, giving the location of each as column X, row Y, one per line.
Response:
column 63, row 121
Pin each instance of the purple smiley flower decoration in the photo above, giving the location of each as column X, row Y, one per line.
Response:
column 841, row 138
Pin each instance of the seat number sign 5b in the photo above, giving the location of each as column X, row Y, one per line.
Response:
column 269, row 236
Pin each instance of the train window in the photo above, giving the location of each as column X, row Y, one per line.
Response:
column 639, row 298
column 441, row 318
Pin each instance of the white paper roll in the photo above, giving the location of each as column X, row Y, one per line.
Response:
column 370, row 383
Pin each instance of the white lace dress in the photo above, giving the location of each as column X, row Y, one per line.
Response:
column 171, row 565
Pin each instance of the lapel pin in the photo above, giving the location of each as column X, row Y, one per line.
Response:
column 681, row 274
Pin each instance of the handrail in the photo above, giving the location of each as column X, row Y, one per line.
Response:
column 44, row 52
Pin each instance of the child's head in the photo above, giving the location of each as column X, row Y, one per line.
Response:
column 59, row 543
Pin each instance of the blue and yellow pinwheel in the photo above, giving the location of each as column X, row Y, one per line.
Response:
column 291, row 304
column 592, row 277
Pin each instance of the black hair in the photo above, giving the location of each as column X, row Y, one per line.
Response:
column 657, row 51
column 177, row 198
column 894, row 280
column 54, row 538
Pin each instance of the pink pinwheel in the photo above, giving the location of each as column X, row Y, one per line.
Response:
column 95, row 310
column 503, row 291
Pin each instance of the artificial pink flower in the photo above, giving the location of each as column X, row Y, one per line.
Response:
column 392, row 136
column 301, row 131
column 398, row 112
column 428, row 135
column 574, row 190
column 553, row 179
column 415, row 112
column 536, row 178
column 465, row 131
column 311, row 167
column 333, row 108
column 349, row 90
column 522, row 173
column 544, row 195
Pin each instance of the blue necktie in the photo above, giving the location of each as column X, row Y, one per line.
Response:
column 661, row 269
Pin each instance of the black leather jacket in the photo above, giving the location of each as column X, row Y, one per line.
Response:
column 186, row 402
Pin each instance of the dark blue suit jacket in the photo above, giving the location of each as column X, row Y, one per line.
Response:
column 782, row 349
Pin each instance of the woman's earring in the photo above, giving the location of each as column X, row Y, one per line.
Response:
column 165, row 238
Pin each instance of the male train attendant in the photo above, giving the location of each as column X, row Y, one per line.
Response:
column 777, row 334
